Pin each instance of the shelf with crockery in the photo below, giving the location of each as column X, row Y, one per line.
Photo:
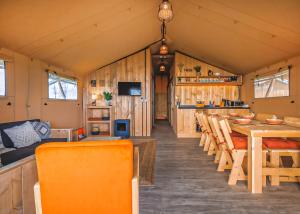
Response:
column 209, row 80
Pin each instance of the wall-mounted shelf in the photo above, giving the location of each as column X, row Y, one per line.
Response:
column 102, row 117
column 209, row 84
column 208, row 80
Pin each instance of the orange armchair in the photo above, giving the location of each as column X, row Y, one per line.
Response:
column 89, row 177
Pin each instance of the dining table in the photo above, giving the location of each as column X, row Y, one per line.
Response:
column 255, row 131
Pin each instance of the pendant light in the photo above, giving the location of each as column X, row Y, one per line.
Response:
column 162, row 68
column 163, row 50
column 165, row 11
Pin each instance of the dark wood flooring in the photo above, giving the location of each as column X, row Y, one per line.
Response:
column 186, row 181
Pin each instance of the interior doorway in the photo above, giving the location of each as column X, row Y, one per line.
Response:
column 161, row 97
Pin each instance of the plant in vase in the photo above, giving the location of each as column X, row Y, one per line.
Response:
column 180, row 66
column 197, row 68
column 108, row 97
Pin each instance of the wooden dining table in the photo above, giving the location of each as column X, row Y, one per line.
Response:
column 255, row 132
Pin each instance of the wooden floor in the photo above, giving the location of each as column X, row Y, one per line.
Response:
column 186, row 181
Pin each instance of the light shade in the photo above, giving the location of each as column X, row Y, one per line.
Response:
column 165, row 12
column 162, row 68
column 163, row 50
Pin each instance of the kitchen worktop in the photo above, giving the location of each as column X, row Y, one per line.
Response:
column 208, row 107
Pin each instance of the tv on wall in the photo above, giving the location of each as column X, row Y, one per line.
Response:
column 129, row 89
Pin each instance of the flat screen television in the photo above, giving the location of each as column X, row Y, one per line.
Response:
column 129, row 89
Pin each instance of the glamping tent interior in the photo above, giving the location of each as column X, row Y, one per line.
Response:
column 139, row 106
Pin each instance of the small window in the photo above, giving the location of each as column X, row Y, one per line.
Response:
column 276, row 85
column 62, row 88
column 2, row 78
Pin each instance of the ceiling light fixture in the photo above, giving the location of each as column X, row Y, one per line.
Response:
column 165, row 11
column 163, row 50
column 162, row 68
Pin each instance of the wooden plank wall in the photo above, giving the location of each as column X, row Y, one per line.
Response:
column 183, row 121
column 189, row 94
column 134, row 68
column 161, row 83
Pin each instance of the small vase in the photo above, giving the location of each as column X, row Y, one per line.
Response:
column 108, row 102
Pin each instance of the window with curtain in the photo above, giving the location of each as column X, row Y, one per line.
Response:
column 2, row 78
column 61, row 88
column 275, row 85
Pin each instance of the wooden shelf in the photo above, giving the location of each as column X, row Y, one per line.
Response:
column 209, row 84
column 94, row 117
column 98, row 121
column 207, row 77
column 99, row 107
column 106, row 134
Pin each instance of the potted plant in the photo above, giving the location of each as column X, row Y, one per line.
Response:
column 197, row 68
column 108, row 97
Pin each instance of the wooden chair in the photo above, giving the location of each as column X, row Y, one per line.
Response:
column 89, row 177
column 206, row 139
column 203, row 130
column 217, row 145
column 225, row 159
column 210, row 144
column 236, row 151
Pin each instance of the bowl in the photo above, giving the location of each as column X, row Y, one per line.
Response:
column 234, row 114
column 274, row 121
column 248, row 116
column 225, row 116
column 242, row 121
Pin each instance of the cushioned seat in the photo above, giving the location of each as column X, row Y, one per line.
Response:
column 236, row 134
column 89, row 177
column 279, row 143
column 239, row 142
column 242, row 142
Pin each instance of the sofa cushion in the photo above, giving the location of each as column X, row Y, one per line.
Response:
column 18, row 154
column 1, row 143
column 8, row 157
column 23, row 135
column 5, row 139
column 42, row 129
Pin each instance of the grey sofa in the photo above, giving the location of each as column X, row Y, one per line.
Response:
column 20, row 153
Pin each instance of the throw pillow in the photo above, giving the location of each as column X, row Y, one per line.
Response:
column 42, row 129
column 23, row 135
column 6, row 140
column 1, row 143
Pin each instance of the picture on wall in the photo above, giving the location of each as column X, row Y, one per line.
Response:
column 93, row 83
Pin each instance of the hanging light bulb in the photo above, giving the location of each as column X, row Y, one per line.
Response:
column 162, row 68
column 163, row 50
column 165, row 12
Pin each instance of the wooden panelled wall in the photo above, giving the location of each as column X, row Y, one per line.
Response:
column 189, row 94
column 134, row 68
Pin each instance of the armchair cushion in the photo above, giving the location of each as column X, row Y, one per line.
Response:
column 89, row 177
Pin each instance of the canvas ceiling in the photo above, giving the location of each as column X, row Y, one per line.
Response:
column 79, row 35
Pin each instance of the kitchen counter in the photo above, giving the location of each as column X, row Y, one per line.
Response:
column 207, row 107
column 184, row 121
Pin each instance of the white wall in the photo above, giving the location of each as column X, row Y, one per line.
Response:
column 27, row 91
column 281, row 106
